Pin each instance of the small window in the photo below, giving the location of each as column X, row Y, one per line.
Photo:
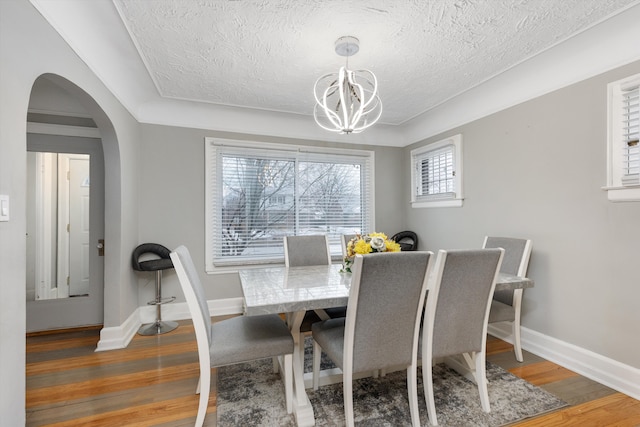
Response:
column 623, row 149
column 436, row 177
column 256, row 193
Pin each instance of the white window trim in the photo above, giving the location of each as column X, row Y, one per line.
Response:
column 616, row 192
column 211, row 142
column 458, row 199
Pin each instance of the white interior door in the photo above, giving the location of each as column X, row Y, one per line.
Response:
column 77, row 257
column 78, row 227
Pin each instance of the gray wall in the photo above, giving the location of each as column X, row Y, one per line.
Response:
column 537, row 171
column 29, row 47
column 171, row 176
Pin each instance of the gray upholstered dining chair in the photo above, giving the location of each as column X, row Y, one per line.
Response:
column 456, row 314
column 230, row 341
column 506, row 306
column 344, row 241
column 382, row 325
column 306, row 250
column 300, row 251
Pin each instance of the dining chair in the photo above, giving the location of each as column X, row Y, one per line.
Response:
column 300, row 251
column 235, row 340
column 456, row 314
column 306, row 250
column 344, row 241
column 381, row 328
column 506, row 306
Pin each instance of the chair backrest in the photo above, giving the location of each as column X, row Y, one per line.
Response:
column 306, row 250
column 196, row 300
column 386, row 301
column 153, row 251
column 458, row 302
column 408, row 240
column 516, row 260
column 516, row 253
column 344, row 240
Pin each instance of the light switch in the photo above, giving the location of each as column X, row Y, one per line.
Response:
column 4, row 208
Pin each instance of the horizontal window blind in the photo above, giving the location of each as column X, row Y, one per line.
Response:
column 630, row 136
column 256, row 196
column 436, row 172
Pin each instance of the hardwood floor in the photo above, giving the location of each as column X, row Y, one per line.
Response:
column 152, row 383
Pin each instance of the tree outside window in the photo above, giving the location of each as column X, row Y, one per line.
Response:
column 262, row 195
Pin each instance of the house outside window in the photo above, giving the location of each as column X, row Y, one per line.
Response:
column 436, row 174
column 257, row 193
column 623, row 132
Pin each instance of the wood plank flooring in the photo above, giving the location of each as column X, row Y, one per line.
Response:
column 152, row 383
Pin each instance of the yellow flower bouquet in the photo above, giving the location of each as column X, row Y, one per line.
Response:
column 366, row 244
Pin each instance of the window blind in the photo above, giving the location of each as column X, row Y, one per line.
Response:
column 436, row 172
column 257, row 195
column 630, row 136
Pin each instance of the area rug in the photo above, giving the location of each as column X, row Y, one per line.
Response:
column 250, row 394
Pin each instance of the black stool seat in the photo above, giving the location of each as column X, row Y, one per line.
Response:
column 155, row 265
column 163, row 262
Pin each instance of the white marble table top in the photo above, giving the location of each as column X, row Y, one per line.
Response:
column 289, row 289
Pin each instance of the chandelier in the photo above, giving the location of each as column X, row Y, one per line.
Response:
column 347, row 101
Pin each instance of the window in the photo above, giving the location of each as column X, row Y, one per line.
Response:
column 436, row 174
column 623, row 149
column 258, row 192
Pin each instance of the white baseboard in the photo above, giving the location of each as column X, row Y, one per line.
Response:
column 117, row 337
column 618, row 376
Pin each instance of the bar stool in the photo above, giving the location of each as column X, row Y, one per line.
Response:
column 157, row 265
column 408, row 240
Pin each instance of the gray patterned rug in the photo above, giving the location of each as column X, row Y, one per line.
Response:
column 250, row 394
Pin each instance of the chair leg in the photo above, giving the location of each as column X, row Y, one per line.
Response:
column 481, row 379
column 517, row 307
column 427, row 379
column 517, row 347
column 347, row 386
column 317, row 352
column 198, row 387
column 412, row 385
column 204, row 385
column 288, row 381
column 276, row 365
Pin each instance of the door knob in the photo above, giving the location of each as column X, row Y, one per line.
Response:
column 100, row 247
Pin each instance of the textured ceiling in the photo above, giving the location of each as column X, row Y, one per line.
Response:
column 267, row 54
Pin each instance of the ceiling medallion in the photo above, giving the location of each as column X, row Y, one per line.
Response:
column 347, row 101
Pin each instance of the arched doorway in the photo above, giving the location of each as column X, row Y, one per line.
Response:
column 66, row 221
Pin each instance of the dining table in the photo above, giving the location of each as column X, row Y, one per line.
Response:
column 294, row 290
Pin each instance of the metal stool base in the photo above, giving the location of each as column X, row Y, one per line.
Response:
column 157, row 328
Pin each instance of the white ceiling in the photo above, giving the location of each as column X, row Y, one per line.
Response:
column 265, row 55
